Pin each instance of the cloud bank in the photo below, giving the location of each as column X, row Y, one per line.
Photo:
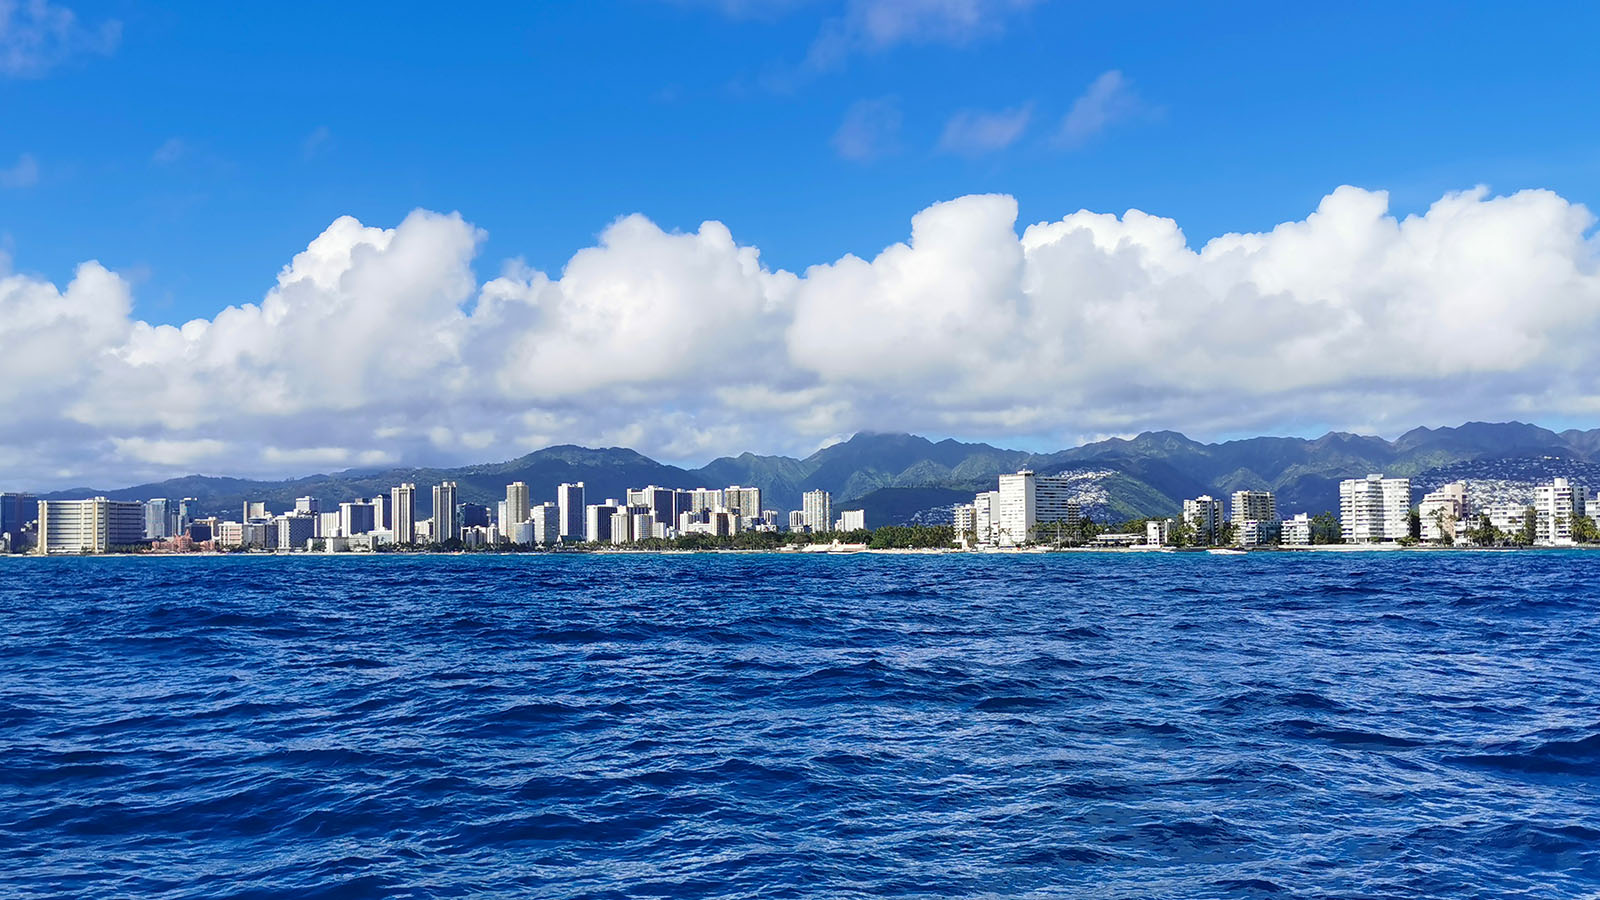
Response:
column 378, row 345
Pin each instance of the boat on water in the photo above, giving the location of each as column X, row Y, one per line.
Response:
column 1227, row 551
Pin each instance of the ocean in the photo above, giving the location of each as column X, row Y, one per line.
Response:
column 607, row 726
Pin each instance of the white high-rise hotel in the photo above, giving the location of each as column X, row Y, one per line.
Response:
column 445, row 527
column 817, row 510
column 1556, row 506
column 1025, row 501
column 404, row 501
column 1374, row 509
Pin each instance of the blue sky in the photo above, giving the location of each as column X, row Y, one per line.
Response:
column 543, row 122
column 697, row 227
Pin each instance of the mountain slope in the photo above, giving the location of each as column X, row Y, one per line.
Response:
column 1149, row 474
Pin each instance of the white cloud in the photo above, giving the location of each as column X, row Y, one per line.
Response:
column 975, row 132
column 377, row 346
column 870, row 130
column 1109, row 99
column 36, row 36
column 870, row 25
column 24, row 174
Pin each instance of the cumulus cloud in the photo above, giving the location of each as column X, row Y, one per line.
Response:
column 1108, row 100
column 36, row 36
column 974, row 132
column 377, row 345
column 871, row 129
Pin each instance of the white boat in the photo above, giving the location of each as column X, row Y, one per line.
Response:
column 1226, row 551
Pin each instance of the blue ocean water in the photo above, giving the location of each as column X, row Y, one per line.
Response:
column 1307, row 725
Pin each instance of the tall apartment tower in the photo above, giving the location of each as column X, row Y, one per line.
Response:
column 1374, row 509
column 660, row 501
column 445, row 526
column 403, row 503
column 817, row 508
column 746, row 501
column 1556, row 506
column 1016, row 511
column 1204, row 515
column 1255, row 517
column 516, row 504
column 569, row 497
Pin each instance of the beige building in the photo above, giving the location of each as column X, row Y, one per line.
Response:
column 89, row 526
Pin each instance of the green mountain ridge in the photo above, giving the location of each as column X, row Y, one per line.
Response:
column 1149, row 474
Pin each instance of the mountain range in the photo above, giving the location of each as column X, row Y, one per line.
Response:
column 903, row 477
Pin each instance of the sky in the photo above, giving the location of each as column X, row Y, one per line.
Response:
column 274, row 240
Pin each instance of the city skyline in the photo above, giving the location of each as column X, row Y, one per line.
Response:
column 798, row 221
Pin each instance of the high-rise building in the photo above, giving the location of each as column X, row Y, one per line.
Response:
column 1204, row 515
column 403, row 502
column 255, row 509
column 328, row 525
column 710, row 499
column 1016, row 512
column 1374, row 509
column 569, row 498
column 89, row 526
column 516, row 503
column 621, row 526
column 797, row 519
column 357, row 517
column 160, row 519
column 228, row 534
column 852, row 520
column 1556, row 506
column 473, row 515
column 546, row 519
column 188, row 511
column 1026, row 500
column 307, row 505
column 597, row 521
column 983, row 510
column 383, row 513
column 1441, row 510
column 1055, row 501
column 445, row 528
column 295, row 530
column 746, row 501
column 662, row 503
column 964, row 522
column 1255, row 518
column 17, row 510
column 817, row 507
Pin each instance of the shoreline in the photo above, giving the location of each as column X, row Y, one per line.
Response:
column 829, row 550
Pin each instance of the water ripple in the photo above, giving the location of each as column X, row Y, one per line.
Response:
column 1374, row 725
